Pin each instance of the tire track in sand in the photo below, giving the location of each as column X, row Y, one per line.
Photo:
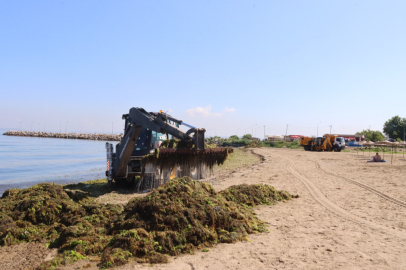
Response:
column 319, row 197
column 371, row 189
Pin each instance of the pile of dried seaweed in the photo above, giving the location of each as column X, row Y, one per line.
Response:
column 178, row 217
column 46, row 212
column 251, row 195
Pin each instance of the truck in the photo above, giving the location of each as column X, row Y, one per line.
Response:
column 326, row 143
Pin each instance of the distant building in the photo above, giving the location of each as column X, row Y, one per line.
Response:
column 291, row 138
column 352, row 137
column 274, row 137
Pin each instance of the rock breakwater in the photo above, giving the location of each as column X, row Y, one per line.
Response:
column 82, row 136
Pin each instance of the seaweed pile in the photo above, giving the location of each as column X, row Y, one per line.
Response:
column 251, row 195
column 179, row 217
column 77, row 226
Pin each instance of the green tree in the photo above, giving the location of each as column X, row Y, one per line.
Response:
column 209, row 140
column 234, row 137
column 395, row 127
column 247, row 136
column 372, row 135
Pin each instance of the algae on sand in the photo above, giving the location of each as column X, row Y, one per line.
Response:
column 179, row 217
column 46, row 212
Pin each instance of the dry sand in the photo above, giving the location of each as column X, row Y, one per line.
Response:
column 350, row 215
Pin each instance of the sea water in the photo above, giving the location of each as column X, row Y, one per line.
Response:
column 26, row 161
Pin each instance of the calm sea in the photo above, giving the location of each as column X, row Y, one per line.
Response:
column 26, row 161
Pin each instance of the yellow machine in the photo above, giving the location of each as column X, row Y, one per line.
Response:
column 326, row 143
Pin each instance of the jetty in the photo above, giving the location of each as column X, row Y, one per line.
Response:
column 81, row 136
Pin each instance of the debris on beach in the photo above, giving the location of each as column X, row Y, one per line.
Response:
column 252, row 195
column 46, row 212
column 179, row 217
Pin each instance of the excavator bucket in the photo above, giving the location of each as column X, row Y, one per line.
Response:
column 172, row 157
column 185, row 162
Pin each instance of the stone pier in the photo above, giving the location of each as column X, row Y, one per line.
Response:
column 82, row 136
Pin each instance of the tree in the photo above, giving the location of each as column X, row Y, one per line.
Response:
column 247, row 136
column 372, row 135
column 395, row 127
column 234, row 137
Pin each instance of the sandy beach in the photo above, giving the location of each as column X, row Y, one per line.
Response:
column 350, row 215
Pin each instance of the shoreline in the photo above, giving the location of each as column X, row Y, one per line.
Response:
column 67, row 181
column 80, row 136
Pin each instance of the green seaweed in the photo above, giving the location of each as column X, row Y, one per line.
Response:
column 179, row 217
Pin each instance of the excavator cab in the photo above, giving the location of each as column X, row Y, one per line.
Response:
column 318, row 143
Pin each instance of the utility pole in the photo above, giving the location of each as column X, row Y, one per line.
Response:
column 286, row 134
column 330, row 128
column 255, row 131
column 252, row 132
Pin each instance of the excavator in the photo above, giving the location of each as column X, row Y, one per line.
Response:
column 140, row 155
column 326, row 143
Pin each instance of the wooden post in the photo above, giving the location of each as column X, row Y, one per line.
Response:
column 391, row 156
column 383, row 152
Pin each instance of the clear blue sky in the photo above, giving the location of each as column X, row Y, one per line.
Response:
column 222, row 65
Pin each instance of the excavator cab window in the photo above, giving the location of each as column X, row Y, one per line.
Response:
column 143, row 139
column 156, row 136
column 339, row 139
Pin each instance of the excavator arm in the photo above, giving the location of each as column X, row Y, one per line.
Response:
column 159, row 122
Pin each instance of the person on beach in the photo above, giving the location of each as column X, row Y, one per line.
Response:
column 377, row 158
